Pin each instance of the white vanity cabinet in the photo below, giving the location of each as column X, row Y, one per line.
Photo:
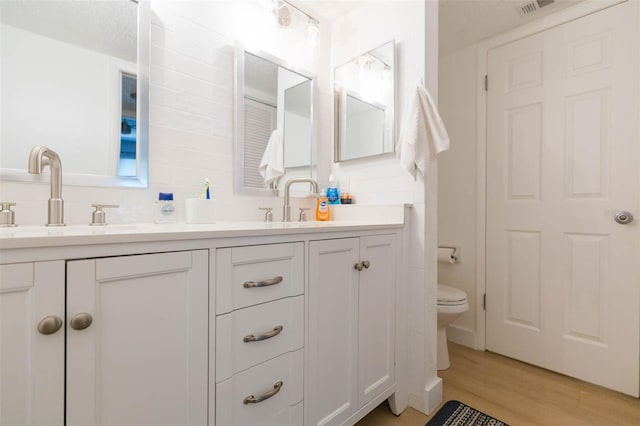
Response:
column 32, row 343
column 260, row 334
column 262, row 326
column 136, row 331
column 351, row 327
column 143, row 358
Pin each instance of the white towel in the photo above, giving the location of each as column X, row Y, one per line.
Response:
column 272, row 164
column 422, row 134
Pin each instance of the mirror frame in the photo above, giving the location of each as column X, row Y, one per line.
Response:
column 238, row 117
column 142, row 126
column 337, row 110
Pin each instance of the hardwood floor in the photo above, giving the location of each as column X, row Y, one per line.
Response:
column 519, row 394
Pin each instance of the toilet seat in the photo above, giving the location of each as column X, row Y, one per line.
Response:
column 450, row 296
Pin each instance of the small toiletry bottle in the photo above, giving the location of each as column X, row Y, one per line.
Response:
column 333, row 194
column 322, row 209
column 165, row 208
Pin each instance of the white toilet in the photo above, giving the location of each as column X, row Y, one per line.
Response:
column 451, row 303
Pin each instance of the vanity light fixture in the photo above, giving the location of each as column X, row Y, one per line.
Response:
column 365, row 61
column 282, row 12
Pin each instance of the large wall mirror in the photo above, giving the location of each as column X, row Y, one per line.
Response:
column 274, row 123
column 74, row 77
column 364, row 104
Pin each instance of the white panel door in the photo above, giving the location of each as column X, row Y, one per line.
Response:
column 563, row 277
column 376, row 316
column 32, row 363
column 143, row 359
column 331, row 379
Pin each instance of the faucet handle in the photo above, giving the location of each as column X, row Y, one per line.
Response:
column 268, row 215
column 99, row 217
column 7, row 216
column 302, row 215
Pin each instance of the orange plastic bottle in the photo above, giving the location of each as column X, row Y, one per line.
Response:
column 322, row 209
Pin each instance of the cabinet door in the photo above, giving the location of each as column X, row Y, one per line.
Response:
column 331, row 393
column 32, row 363
column 143, row 359
column 376, row 316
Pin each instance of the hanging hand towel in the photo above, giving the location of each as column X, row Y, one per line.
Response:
column 272, row 164
column 422, row 134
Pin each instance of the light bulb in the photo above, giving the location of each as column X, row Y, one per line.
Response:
column 313, row 29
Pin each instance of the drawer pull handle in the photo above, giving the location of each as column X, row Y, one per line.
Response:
column 264, row 283
column 268, row 335
column 253, row 400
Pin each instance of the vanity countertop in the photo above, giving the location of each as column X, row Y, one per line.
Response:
column 348, row 219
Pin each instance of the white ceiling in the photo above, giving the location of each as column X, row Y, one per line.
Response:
column 465, row 22
column 461, row 22
column 107, row 26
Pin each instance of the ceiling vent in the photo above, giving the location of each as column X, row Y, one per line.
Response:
column 529, row 7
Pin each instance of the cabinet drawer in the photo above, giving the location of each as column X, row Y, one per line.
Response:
column 244, row 274
column 281, row 408
column 282, row 319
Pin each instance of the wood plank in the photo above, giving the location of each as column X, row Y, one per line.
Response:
column 518, row 393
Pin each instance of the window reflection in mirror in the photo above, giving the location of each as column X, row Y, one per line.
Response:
column 127, row 152
column 274, row 110
column 364, row 104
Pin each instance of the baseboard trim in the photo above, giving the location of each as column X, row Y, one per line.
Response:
column 461, row 336
column 432, row 395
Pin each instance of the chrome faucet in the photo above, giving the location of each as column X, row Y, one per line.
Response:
column 286, row 209
column 39, row 157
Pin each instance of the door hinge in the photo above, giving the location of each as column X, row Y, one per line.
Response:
column 486, row 83
column 484, row 301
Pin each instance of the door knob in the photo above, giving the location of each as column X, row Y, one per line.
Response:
column 623, row 217
column 81, row 321
column 49, row 325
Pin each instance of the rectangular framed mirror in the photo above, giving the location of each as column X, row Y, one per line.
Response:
column 275, row 123
column 364, row 102
column 75, row 78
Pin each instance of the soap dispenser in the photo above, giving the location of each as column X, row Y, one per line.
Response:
column 333, row 194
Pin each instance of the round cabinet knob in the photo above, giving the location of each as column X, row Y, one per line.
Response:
column 623, row 217
column 358, row 266
column 81, row 321
column 366, row 264
column 49, row 325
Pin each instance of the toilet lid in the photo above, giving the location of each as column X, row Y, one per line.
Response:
column 450, row 296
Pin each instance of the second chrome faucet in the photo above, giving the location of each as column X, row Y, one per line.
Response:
column 286, row 209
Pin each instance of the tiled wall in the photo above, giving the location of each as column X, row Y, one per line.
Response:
column 191, row 114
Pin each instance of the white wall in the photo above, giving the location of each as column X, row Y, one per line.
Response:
column 457, row 182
